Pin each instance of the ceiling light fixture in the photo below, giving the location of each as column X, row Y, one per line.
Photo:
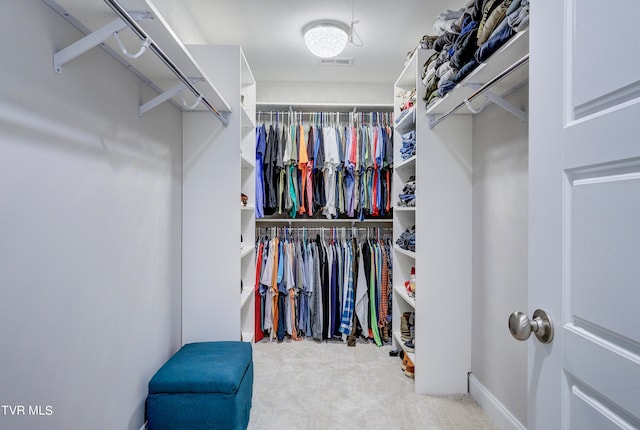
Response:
column 328, row 38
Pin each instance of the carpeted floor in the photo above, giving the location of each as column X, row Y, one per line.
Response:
column 308, row 385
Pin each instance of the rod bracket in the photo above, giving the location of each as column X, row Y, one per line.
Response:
column 161, row 98
column 94, row 39
column 500, row 101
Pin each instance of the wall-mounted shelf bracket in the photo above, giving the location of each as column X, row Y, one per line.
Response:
column 496, row 99
column 161, row 98
column 92, row 40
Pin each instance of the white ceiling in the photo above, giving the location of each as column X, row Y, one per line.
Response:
column 270, row 33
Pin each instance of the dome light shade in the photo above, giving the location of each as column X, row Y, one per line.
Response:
column 325, row 39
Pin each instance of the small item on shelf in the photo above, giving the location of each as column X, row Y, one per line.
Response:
column 243, row 199
column 410, row 285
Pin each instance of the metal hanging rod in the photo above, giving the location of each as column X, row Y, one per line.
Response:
column 480, row 91
column 280, row 115
column 130, row 19
column 139, row 31
column 333, row 222
column 370, row 231
column 323, row 107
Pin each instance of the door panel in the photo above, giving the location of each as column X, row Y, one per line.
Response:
column 584, row 233
column 604, row 252
column 602, row 368
column 602, row 77
column 588, row 413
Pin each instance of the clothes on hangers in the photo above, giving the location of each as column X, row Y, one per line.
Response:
column 322, row 287
column 326, row 168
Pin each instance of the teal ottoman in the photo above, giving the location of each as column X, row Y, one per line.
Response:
column 206, row 385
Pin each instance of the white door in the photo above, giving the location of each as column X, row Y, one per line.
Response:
column 584, row 224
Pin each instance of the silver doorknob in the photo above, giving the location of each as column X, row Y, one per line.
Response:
column 541, row 325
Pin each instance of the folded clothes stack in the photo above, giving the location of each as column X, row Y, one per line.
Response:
column 408, row 149
column 467, row 37
column 407, row 240
column 408, row 196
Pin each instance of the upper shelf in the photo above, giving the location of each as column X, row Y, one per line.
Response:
column 91, row 16
column 409, row 163
column 408, row 121
column 513, row 50
column 407, row 78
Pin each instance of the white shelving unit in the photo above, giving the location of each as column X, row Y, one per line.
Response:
column 442, row 257
column 218, row 291
column 403, row 217
column 443, row 170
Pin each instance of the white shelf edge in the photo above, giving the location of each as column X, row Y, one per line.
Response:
column 400, row 343
column 408, row 121
column 247, row 337
column 246, row 250
column 405, row 164
column 402, row 293
column 248, row 121
column 400, row 82
column 404, row 251
column 245, row 297
column 247, row 163
column 248, row 208
column 246, row 69
column 404, row 209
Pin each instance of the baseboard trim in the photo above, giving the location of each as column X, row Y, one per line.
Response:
column 501, row 417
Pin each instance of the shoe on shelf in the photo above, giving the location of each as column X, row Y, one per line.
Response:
column 409, row 346
column 410, row 369
column 405, row 332
column 404, row 363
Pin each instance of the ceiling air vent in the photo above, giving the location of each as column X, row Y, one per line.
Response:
column 336, row 61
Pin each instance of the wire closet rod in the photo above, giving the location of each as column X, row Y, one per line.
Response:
column 139, row 31
column 515, row 66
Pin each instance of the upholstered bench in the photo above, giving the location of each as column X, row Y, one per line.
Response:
column 207, row 385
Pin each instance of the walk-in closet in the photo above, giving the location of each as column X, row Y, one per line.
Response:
column 317, row 215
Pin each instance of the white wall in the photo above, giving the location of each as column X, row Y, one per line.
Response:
column 500, row 217
column 355, row 94
column 90, row 218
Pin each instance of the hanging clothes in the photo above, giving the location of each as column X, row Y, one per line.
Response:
column 325, row 168
column 322, row 286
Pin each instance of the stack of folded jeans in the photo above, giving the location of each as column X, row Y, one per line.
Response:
column 407, row 240
column 408, row 149
column 407, row 198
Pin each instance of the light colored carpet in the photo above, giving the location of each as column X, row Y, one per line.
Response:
column 309, row 385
